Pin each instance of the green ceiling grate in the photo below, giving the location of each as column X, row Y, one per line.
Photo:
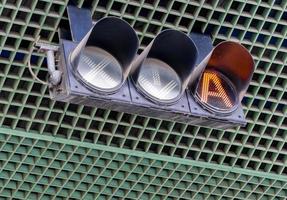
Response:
column 27, row 169
column 39, row 167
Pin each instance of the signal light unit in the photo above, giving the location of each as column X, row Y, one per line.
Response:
column 177, row 77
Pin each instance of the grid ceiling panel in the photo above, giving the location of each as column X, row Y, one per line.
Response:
column 259, row 25
column 45, row 169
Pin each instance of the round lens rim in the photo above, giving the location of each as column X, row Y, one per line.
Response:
column 211, row 108
column 152, row 98
column 92, row 87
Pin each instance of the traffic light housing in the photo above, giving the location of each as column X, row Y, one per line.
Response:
column 177, row 77
column 162, row 70
column 225, row 78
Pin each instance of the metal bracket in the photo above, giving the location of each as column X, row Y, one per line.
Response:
column 49, row 49
column 43, row 47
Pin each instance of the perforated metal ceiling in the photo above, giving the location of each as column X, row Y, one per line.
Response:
column 52, row 149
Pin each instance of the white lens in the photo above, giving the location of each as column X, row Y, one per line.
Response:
column 99, row 69
column 159, row 81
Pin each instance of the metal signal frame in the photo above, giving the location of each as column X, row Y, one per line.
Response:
column 128, row 99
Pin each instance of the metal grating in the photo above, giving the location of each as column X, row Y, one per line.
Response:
column 34, row 168
column 261, row 146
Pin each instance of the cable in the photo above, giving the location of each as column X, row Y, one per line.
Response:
column 29, row 64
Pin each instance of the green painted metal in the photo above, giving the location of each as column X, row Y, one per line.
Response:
column 51, row 168
column 144, row 155
column 154, row 159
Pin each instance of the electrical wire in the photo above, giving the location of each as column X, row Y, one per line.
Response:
column 29, row 64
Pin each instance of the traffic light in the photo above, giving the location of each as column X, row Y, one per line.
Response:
column 177, row 77
column 162, row 70
column 101, row 59
column 220, row 83
column 225, row 78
